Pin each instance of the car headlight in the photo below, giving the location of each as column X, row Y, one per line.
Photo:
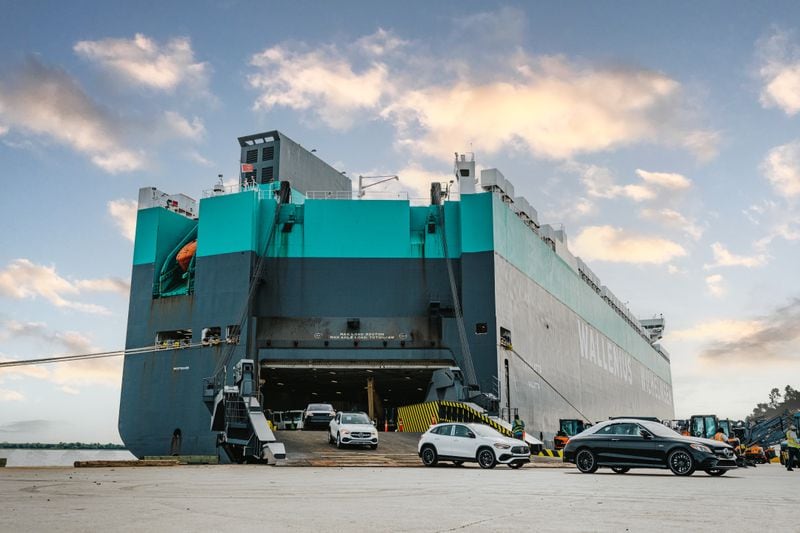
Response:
column 345, row 432
column 502, row 445
column 701, row 448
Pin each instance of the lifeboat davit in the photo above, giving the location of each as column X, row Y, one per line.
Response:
column 184, row 257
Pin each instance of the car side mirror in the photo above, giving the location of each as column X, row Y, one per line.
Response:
column 374, row 423
column 647, row 435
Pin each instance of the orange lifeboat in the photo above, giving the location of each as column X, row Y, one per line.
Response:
column 184, row 257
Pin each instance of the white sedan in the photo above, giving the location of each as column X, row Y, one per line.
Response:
column 352, row 428
column 479, row 443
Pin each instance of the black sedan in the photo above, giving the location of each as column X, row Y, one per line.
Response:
column 623, row 444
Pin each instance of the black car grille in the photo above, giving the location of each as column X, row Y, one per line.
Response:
column 724, row 453
column 520, row 449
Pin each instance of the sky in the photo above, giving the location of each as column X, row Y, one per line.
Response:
column 664, row 137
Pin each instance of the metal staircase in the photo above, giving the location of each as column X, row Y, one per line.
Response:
column 237, row 417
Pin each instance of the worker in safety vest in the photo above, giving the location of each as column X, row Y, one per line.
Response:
column 518, row 428
column 792, row 447
column 720, row 436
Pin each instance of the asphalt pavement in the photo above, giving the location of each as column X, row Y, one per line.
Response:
column 446, row 498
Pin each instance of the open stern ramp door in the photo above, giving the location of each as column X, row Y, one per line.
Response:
column 375, row 387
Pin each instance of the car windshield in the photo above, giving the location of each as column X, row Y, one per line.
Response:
column 485, row 431
column 355, row 418
column 319, row 407
column 659, row 430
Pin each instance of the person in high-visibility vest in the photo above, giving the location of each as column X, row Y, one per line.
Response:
column 792, row 447
column 720, row 436
column 518, row 428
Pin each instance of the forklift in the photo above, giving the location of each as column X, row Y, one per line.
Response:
column 568, row 428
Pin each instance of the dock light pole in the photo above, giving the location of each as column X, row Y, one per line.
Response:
column 361, row 179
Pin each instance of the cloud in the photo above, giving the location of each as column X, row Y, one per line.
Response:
column 714, row 284
column 606, row 243
column 68, row 375
column 71, row 375
column 782, row 221
column 26, row 426
column 70, row 341
column 40, row 100
column 556, row 109
column 771, row 338
column 198, row 158
column 380, row 43
column 124, row 212
column 704, row 144
column 183, row 128
column 716, row 330
column 600, row 182
column 439, row 102
column 665, row 180
column 724, row 258
column 673, row 269
column 324, row 80
column 145, row 62
column 117, row 285
column 24, row 279
column 7, row 395
column 779, row 58
column 673, row 219
column 781, row 167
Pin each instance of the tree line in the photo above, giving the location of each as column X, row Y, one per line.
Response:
column 777, row 403
column 60, row 446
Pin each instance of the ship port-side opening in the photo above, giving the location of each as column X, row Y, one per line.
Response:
column 293, row 385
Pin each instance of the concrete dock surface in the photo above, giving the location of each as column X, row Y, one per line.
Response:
column 445, row 498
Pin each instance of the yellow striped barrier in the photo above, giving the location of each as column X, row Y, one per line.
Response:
column 417, row 418
column 551, row 453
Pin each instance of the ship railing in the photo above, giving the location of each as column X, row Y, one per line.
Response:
column 221, row 190
column 352, row 195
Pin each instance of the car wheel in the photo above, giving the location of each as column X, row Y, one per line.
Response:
column 620, row 469
column 681, row 463
column 486, row 458
column 586, row 461
column 339, row 441
column 458, row 463
column 515, row 466
column 429, row 457
column 716, row 472
column 330, row 438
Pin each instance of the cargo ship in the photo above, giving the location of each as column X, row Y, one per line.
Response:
column 370, row 302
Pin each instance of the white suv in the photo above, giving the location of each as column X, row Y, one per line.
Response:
column 471, row 442
column 352, row 428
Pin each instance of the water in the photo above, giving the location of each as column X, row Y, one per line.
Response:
column 61, row 457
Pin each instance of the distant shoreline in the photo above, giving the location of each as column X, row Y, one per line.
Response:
column 59, row 446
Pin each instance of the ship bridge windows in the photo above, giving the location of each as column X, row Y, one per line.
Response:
column 174, row 339
column 211, row 336
column 232, row 334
